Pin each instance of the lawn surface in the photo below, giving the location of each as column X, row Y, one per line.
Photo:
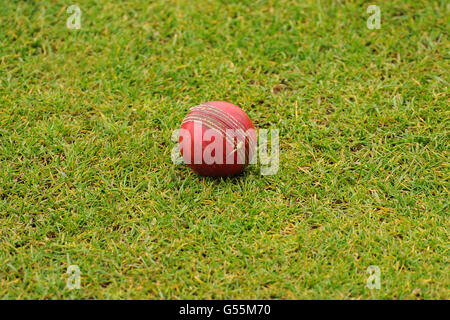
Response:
column 86, row 176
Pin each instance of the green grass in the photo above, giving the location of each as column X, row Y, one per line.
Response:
column 86, row 178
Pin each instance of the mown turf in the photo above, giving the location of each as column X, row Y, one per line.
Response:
column 86, row 178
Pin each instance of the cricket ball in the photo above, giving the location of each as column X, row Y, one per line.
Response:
column 217, row 139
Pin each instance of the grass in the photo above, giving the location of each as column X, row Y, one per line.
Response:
column 86, row 178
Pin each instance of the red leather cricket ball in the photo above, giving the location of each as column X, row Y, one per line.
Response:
column 217, row 139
